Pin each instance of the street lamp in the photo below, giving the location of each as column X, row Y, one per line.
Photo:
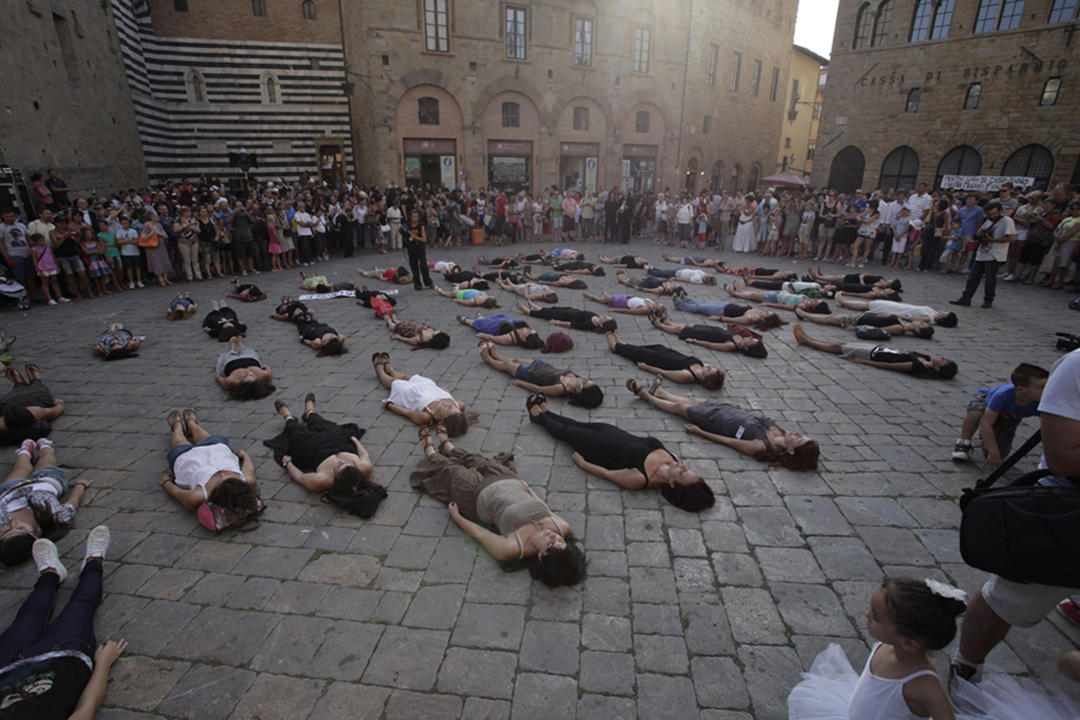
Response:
column 793, row 113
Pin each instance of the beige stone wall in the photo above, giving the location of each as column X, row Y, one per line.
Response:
column 797, row 137
column 868, row 91
column 385, row 41
column 66, row 101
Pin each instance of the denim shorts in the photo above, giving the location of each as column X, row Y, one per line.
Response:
column 56, row 475
column 24, row 268
column 522, row 372
column 181, row 449
column 70, row 266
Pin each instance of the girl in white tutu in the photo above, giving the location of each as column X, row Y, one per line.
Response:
column 908, row 618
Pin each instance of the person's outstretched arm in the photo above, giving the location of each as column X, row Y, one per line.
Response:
column 94, row 692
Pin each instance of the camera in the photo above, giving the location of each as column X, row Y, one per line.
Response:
column 1068, row 342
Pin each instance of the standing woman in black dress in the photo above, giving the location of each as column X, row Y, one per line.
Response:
column 416, row 245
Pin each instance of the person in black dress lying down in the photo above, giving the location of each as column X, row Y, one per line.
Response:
column 885, row 358
column 662, row 360
column 222, row 322
column 538, row 376
column 320, row 336
column 630, row 461
column 570, row 317
column 727, row 424
column 711, row 337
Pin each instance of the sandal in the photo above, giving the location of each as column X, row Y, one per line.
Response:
column 8, row 341
column 425, row 439
column 173, row 418
column 190, row 416
column 656, row 384
column 309, row 399
column 633, row 386
column 33, row 372
column 13, row 375
column 278, row 405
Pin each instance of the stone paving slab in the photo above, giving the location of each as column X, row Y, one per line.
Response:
column 319, row 614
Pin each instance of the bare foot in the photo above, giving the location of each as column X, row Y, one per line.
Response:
column 800, row 334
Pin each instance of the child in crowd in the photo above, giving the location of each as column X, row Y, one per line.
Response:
column 805, row 227
column 274, row 246
column 952, row 246
column 776, row 223
column 112, row 253
column 914, row 242
column 996, row 412
column 93, row 253
column 702, row 226
column 908, row 618
column 901, row 225
column 47, row 270
column 128, row 238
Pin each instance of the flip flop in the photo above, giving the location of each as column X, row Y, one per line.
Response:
column 633, row 386
column 33, row 372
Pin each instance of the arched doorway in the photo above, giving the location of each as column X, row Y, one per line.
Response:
column 846, row 171
column 900, row 170
column 752, row 180
column 429, row 127
column 1031, row 161
column 736, row 178
column 691, row 175
column 716, row 182
column 961, row 160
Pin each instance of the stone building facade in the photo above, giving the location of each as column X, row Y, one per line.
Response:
column 802, row 112
column 644, row 94
column 919, row 89
column 65, row 96
column 209, row 78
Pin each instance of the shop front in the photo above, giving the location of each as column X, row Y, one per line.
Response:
column 510, row 165
column 430, row 163
column 639, row 167
column 578, row 164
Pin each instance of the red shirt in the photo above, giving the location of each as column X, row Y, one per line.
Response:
column 500, row 207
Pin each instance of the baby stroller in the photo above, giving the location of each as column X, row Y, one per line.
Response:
column 11, row 292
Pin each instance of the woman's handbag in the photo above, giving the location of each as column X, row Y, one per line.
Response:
column 219, row 518
column 151, row 241
column 1025, row 532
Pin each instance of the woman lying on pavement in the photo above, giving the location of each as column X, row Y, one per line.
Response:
column 627, row 304
column 117, row 343
column 555, row 279
column 629, row 461
column 579, row 267
column 910, row 362
column 855, row 279
column 759, row 273
column 673, row 365
column 727, row 424
column 892, row 324
column 241, row 373
column 420, row 399
column 649, row 284
column 206, row 469
column 816, row 289
column 26, row 409
column 926, row 313
column 780, row 299
column 757, row 318
column 468, row 297
column 700, row 262
column 630, row 262
column 537, row 376
column 571, row 318
column 222, row 322
column 529, row 291
column 693, row 276
column 711, row 337
column 481, row 490
column 504, row 330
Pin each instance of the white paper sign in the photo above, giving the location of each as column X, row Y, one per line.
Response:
column 985, row 182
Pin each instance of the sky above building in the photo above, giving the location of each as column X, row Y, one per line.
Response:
column 815, row 24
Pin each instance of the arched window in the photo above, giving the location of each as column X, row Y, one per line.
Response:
column 736, row 177
column 942, row 19
column 752, row 180
column 511, row 115
column 642, row 121
column 717, row 175
column 1031, row 161
column 308, row 9
column 1062, row 11
column 864, row 23
column 581, row 118
column 1011, row 13
column 271, row 89
column 881, row 24
column 428, row 108
column 971, row 102
column 986, row 19
column 961, row 160
column 920, row 26
column 198, row 86
column 846, row 171
column 900, row 169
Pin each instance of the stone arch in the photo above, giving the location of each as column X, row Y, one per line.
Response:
column 736, row 177
column 1036, row 137
column 491, row 119
column 599, row 121
column 428, row 141
column 753, row 177
column 651, row 97
column 195, row 86
column 846, row 170
column 510, row 84
column 590, row 92
column 392, row 98
column 270, row 88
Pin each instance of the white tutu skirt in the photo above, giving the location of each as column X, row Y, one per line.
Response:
column 826, row 690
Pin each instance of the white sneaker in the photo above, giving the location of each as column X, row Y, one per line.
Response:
column 1009, row 278
column 244, row 274
column 97, row 543
column 52, row 302
column 47, row 557
column 131, row 286
column 140, row 284
column 64, row 300
column 962, row 451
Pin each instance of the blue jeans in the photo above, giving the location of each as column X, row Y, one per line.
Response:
column 31, row 634
column 710, row 309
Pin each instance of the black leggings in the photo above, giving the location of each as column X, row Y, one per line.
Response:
column 418, row 263
column 599, row 443
column 658, row 356
column 563, row 314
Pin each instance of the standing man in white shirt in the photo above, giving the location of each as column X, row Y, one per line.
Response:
column 889, row 212
column 997, row 231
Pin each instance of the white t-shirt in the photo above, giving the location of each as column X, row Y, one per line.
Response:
column 1062, row 397
column 997, row 250
column 440, row 265
column 194, row 468
column 685, row 214
column 889, row 212
column 696, row 277
column 301, row 218
column 393, row 215
column 888, row 307
column 635, row 302
column 416, row 393
column 919, row 205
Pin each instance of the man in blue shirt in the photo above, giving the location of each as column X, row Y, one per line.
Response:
column 971, row 217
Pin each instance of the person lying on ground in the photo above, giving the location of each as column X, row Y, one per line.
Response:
column 28, row 408
column 320, row 336
column 246, row 291
column 700, row 262
column 626, row 304
column 420, row 399
column 538, row 376
column 649, row 284
column 759, row 273
column 813, row 289
column 780, row 299
column 529, row 291
column 182, row 308
column 711, row 337
column 571, row 318
column 206, row 469
column 555, row 279
column 468, row 297
column 398, row 276
column 416, row 333
column 754, row 435
column 757, row 318
column 687, row 275
column 289, row 309
column 626, row 261
column 488, row 490
column 925, row 313
column 321, row 284
column 630, row 461
column 117, row 343
column 892, row 324
column 222, row 322
column 504, row 330
column 671, row 364
column 579, row 267
column 910, row 362
column 240, row 372
column 856, row 279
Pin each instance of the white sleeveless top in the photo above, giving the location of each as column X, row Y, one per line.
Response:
column 881, row 699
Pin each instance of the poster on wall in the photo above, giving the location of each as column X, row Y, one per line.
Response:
column 509, row 171
column 590, row 174
column 991, row 183
column 412, row 169
column 447, row 166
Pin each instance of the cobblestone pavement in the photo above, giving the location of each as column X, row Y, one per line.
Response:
column 319, row 614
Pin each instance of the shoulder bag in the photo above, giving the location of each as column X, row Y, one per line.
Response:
column 1024, row 532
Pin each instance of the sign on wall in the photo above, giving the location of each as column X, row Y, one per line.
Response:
column 984, row 182
column 449, row 175
column 590, row 173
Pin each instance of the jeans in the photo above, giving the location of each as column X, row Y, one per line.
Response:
column 982, row 267
column 31, row 634
column 711, row 309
